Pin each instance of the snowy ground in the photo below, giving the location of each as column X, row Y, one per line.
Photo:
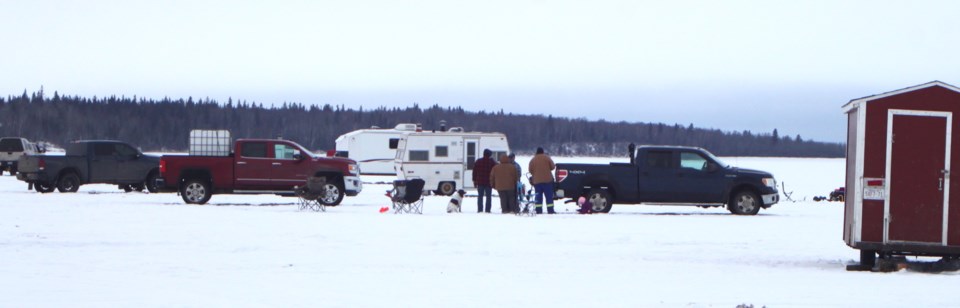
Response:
column 101, row 247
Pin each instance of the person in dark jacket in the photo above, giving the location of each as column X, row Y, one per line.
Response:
column 541, row 167
column 503, row 178
column 481, row 179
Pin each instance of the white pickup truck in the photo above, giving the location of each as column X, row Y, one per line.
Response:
column 11, row 148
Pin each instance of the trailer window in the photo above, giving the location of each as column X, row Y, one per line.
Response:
column 419, row 155
column 693, row 161
column 659, row 159
column 254, row 149
column 393, row 143
column 441, row 151
column 342, row 154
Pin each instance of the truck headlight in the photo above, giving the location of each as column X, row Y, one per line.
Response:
column 770, row 182
column 354, row 169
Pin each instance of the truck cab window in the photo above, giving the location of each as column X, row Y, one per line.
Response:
column 103, row 149
column 660, row 159
column 124, row 150
column 284, row 151
column 692, row 160
column 254, row 149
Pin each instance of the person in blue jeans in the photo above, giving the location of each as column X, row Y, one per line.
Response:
column 481, row 179
column 541, row 167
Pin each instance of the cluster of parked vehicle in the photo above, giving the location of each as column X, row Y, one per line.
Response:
column 443, row 158
column 256, row 166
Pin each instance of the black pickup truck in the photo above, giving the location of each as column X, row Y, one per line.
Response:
column 669, row 175
column 88, row 162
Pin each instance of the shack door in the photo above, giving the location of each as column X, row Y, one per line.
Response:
column 470, row 157
column 918, row 167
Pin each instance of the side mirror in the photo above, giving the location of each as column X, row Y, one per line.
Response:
column 297, row 155
column 712, row 167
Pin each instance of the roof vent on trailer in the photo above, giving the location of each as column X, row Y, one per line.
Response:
column 406, row 127
column 456, row 129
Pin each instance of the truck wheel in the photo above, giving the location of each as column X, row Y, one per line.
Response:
column 43, row 187
column 151, row 183
column 13, row 170
column 744, row 202
column 333, row 194
column 196, row 192
column 601, row 200
column 446, row 189
column 68, row 183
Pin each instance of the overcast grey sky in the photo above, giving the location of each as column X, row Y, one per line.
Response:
column 732, row 65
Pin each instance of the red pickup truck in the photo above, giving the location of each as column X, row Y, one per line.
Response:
column 257, row 166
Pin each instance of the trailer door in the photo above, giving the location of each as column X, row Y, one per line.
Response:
column 470, row 157
column 918, row 167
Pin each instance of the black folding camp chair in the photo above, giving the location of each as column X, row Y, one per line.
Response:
column 310, row 193
column 407, row 196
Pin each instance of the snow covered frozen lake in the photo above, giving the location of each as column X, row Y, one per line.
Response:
column 102, row 247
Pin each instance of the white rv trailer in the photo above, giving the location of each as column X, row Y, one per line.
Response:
column 445, row 159
column 374, row 149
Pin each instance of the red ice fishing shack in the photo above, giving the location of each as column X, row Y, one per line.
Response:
column 900, row 146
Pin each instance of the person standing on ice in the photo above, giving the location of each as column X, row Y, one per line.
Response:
column 513, row 159
column 481, row 179
column 503, row 178
column 541, row 166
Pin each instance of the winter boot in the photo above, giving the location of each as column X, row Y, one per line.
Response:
column 539, row 210
column 550, row 209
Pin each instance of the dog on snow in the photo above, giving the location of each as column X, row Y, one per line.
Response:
column 454, row 205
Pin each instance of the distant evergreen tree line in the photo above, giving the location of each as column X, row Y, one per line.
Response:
column 164, row 125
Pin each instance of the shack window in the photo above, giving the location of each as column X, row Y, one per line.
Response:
column 254, row 149
column 393, row 143
column 419, row 155
column 659, row 159
column 441, row 151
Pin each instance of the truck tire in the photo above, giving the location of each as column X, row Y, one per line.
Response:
column 744, row 202
column 13, row 170
column 446, row 189
column 43, row 187
column 601, row 200
column 151, row 183
column 333, row 194
column 196, row 191
column 68, row 183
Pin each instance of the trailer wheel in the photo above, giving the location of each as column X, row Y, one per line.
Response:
column 601, row 200
column 196, row 191
column 333, row 194
column 446, row 188
column 744, row 202
column 68, row 183
column 43, row 187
